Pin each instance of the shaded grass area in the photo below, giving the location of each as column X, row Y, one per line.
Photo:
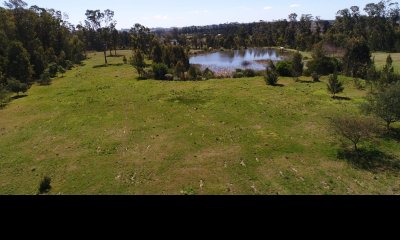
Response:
column 101, row 131
column 372, row 160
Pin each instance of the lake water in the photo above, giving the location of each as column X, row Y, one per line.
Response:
column 229, row 61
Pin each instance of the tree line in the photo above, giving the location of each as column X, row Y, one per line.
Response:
column 379, row 27
column 35, row 44
column 38, row 43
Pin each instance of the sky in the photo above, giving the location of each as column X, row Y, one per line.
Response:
column 180, row 13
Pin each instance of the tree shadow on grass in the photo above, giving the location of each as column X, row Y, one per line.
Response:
column 342, row 98
column 305, row 81
column 18, row 97
column 371, row 160
column 3, row 105
column 108, row 65
column 394, row 134
column 277, row 85
column 115, row 56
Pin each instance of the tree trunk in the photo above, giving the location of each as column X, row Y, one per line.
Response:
column 388, row 126
column 105, row 56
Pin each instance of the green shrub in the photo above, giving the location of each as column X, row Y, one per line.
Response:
column 125, row 60
column 194, row 72
column 249, row 73
column 324, row 66
column 61, row 70
column 68, row 64
column 208, row 74
column 335, row 86
column 53, row 69
column 271, row 78
column 148, row 73
column 16, row 86
column 284, row 69
column 3, row 95
column 315, row 77
column 238, row 75
column 45, row 185
column 159, row 71
column 358, row 84
column 45, row 78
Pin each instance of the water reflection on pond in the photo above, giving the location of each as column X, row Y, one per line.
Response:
column 228, row 61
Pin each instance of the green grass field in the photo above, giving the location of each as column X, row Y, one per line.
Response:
column 98, row 130
column 380, row 60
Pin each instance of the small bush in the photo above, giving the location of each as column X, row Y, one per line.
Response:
column 238, row 75
column 61, row 70
column 45, row 78
column 16, row 86
column 358, row 84
column 249, row 73
column 284, row 69
column 324, row 66
column 159, row 71
column 147, row 74
column 68, row 64
column 125, row 60
column 3, row 95
column 307, row 72
column 208, row 74
column 194, row 72
column 335, row 86
column 355, row 129
column 45, row 185
column 53, row 69
column 315, row 77
column 271, row 78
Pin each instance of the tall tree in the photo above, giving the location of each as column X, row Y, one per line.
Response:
column 357, row 58
column 14, row 4
column 297, row 64
column 102, row 23
column 137, row 61
column 141, row 38
column 19, row 63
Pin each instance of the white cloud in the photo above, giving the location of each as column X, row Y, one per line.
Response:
column 295, row 5
column 267, row 8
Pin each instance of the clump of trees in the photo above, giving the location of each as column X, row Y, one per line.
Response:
column 321, row 64
column 32, row 41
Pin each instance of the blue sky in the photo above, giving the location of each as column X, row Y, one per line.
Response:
column 178, row 13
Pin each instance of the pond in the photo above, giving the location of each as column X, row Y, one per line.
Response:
column 229, row 61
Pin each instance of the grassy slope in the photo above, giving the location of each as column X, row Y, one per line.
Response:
column 100, row 131
column 380, row 60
